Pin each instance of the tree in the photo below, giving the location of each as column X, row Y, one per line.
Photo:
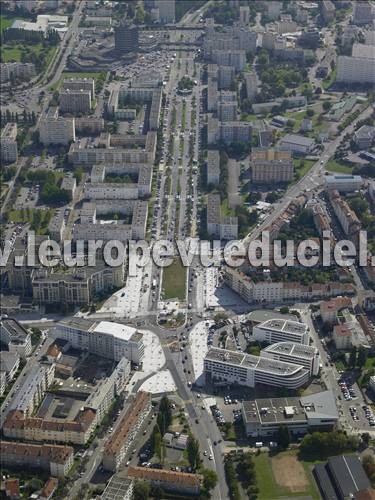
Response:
column 210, row 479
column 35, row 484
column 353, row 357
column 165, row 409
column 366, row 438
column 368, row 463
column 323, row 444
column 310, row 112
column 284, row 310
column 246, row 470
column 283, row 436
column 362, row 357
column 192, row 448
column 141, row 490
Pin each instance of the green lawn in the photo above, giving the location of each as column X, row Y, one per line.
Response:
column 6, row 21
column 341, row 168
column 301, row 167
column 174, row 281
column 225, row 209
column 340, row 365
column 30, row 215
column 269, row 489
column 68, row 74
column 10, row 52
column 327, row 82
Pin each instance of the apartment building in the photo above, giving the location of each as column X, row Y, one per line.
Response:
column 218, row 226
column 75, row 101
column 112, row 149
column 213, row 167
column 33, row 387
column 89, row 125
column 357, row 68
column 235, row 58
column 271, row 166
column 141, row 181
column 363, row 12
column 346, row 216
column 251, row 82
column 230, row 40
column 8, row 143
column 69, row 184
column 90, row 228
column 104, row 338
column 16, row 71
column 3, row 382
column 9, row 364
column 225, row 77
column 114, row 230
column 76, row 287
column 316, row 412
column 55, row 129
column 269, row 292
column 149, row 94
column 342, row 336
column 343, row 183
column 168, row 480
column 119, row 443
column 222, row 366
column 235, row 131
column 111, row 191
column 212, row 94
column 244, row 15
column 330, row 308
column 87, row 213
column 55, row 459
column 86, row 84
column 328, row 11
column 290, row 352
column 166, row 10
column 286, row 25
column 227, row 106
column 75, row 430
column 278, row 330
column 15, row 337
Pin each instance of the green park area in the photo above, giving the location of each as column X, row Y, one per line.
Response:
column 174, row 281
column 23, row 52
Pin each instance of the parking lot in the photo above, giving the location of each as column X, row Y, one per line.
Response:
column 359, row 415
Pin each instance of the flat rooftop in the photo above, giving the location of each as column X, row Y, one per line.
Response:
column 283, row 325
column 293, row 409
column 300, row 350
column 249, row 361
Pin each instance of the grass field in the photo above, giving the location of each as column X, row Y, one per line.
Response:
column 301, row 167
column 341, row 168
column 7, row 21
column 174, row 281
column 283, row 476
column 14, row 52
column 67, row 74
